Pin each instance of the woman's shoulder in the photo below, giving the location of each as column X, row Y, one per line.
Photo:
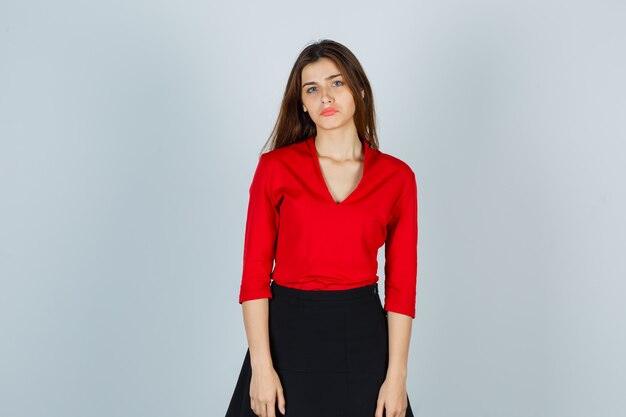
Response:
column 288, row 154
column 393, row 164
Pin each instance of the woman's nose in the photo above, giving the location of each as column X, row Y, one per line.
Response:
column 326, row 96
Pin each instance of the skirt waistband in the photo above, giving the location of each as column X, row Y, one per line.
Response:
column 348, row 294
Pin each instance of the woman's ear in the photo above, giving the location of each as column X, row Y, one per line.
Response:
column 363, row 93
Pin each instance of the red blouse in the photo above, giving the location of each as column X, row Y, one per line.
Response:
column 320, row 244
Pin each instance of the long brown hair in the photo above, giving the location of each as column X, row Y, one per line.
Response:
column 294, row 124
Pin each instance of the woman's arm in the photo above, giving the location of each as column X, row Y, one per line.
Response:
column 255, row 317
column 392, row 396
column 266, row 390
column 400, row 326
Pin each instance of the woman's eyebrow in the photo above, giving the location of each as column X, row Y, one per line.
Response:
column 327, row 78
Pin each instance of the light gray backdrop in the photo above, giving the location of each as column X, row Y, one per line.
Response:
column 129, row 132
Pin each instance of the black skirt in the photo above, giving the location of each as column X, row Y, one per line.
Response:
column 329, row 349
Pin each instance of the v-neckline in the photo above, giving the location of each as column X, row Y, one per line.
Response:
column 318, row 168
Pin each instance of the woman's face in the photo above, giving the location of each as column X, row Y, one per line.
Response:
column 323, row 87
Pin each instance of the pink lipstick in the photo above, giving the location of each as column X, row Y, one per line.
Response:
column 329, row 111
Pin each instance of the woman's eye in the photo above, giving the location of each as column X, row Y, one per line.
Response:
column 311, row 88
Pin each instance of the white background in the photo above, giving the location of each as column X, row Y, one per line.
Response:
column 129, row 132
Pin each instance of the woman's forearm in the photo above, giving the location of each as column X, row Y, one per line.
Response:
column 255, row 317
column 399, row 326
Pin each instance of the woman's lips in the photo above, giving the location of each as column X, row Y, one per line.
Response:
column 329, row 111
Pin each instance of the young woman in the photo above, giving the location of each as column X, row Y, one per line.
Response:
column 322, row 202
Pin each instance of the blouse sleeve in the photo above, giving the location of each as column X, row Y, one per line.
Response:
column 260, row 237
column 401, row 252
